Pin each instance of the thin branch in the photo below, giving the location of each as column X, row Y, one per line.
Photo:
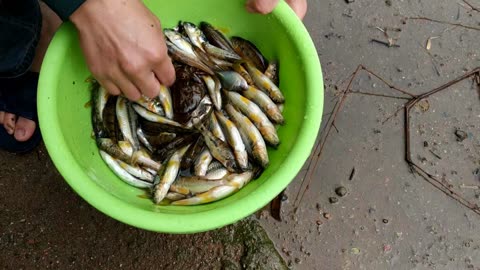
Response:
column 445, row 22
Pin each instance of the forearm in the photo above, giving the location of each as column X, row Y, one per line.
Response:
column 64, row 8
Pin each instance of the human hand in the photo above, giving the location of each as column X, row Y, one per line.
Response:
column 124, row 47
column 266, row 6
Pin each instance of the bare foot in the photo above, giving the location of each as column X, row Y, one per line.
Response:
column 22, row 129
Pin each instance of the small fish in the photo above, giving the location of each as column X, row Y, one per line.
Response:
column 125, row 120
column 235, row 182
column 272, row 72
column 196, row 36
column 172, row 167
column 201, row 113
column 140, row 157
column 265, row 84
column 234, row 139
column 252, row 138
column 196, row 184
column 181, row 56
column 192, row 153
column 242, row 71
column 111, row 148
column 99, row 98
column 254, row 113
column 213, row 87
column 232, row 81
column 180, row 41
column 202, row 162
column 217, row 173
column 216, row 37
column 161, row 139
column 151, row 104
column 136, row 171
column 219, row 150
column 121, row 173
column 110, row 122
column 155, row 117
column 173, row 196
column 166, row 101
column 249, row 52
column 143, row 139
column 265, row 103
column 179, row 142
column 215, row 128
column 220, row 53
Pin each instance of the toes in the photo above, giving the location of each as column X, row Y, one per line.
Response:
column 24, row 129
column 9, row 122
column 2, row 115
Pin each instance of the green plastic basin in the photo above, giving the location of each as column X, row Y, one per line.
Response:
column 67, row 130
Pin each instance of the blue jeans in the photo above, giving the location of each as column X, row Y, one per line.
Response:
column 20, row 26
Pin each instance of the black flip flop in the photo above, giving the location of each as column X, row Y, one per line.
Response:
column 19, row 96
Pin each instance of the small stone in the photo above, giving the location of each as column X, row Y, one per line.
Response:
column 385, row 221
column 318, row 206
column 388, row 3
column 461, row 135
column 319, row 222
column 297, row 260
column 284, row 197
column 341, row 191
column 387, row 248
column 355, row 251
column 327, row 216
column 425, row 144
column 333, row 200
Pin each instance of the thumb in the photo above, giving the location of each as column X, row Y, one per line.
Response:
column 261, row 6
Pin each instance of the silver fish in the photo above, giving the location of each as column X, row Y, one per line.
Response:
column 232, row 81
column 264, row 83
column 213, row 87
column 183, row 57
column 196, row 36
column 234, row 139
column 201, row 163
column 166, row 101
column 196, row 184
column 151, row 104
column 217, row 173
column 254, row 113
column 215, row 128
column 125, row 121
column 169, row 175
column 235, row 182
column 136, row 172
column 143, row 139
column 265, row 103
column 219, row 150
column 250, row 135
column 220, row 53
column 180, row 41
column 155, row 117
column 121, row 173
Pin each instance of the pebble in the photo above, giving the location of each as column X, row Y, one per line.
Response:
column 355, row 251
column 385, row 220
column 327, row 216
column 333, row 200
column 461, row 135
column 341, row 191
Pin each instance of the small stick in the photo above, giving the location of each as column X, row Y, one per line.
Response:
column 388, row 44
column 436, row 155
column 352, row 174
column 471, row 6
column 444, row 22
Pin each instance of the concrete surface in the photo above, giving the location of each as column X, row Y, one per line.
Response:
column 390, row 219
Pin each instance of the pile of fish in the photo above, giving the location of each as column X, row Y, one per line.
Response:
column 204, row 138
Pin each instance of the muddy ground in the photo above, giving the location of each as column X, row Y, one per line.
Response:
column 389, row 219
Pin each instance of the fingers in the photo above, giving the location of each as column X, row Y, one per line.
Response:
column 261, row 6
column 111, row 88
column 299, row 7
column 129, row 89
column 165, row 72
